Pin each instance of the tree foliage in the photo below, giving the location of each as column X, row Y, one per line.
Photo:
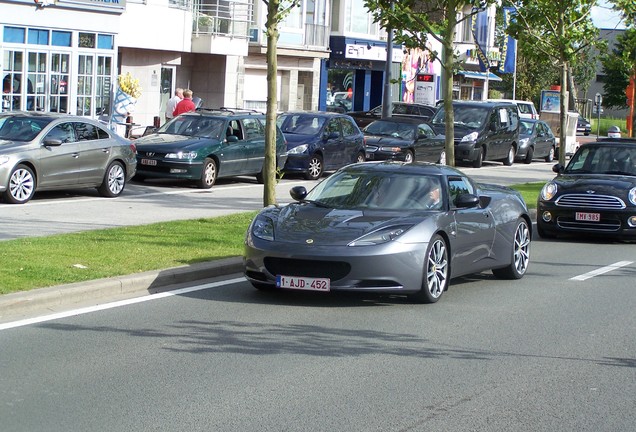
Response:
column 618, row 65
column 413, row 21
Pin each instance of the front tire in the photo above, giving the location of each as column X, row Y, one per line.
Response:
column 21, row 185
column 408, row 157
column 114, row 181
column 479, row 160
column 442, row 158
column 520, row 254
column 208, row 174
column 361, row 158
column 436, row 272
column 529, row 156
column 314, row 172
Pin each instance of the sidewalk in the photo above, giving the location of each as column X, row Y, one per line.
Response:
column 46, row 300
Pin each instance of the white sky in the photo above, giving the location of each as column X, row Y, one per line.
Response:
column 604, row 17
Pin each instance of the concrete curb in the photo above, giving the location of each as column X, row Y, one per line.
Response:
column 17, row 304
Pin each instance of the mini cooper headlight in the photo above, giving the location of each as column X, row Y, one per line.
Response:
column 548, row 191
column 298, row 149
column 470, row 137
column 263, row 228
column 632, row 195
column 383, row 235
column 182, row 155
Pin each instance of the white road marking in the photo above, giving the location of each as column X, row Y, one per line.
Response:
column 90, row 309
column 602, row 270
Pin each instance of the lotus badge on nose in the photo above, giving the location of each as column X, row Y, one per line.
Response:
column 309, row 241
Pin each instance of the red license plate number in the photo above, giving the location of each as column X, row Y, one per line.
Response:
column 303, row 283
column 587, row 217
column 150, row 162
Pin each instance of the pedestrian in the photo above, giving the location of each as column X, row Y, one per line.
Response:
column 172, row 103
column 186, row 104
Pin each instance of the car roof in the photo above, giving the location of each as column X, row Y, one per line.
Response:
column 627, row 141
column 404, row 118
column 47, row 115
column 413, row 168
column 224, row 112
column 487, row 104
column 315, row 113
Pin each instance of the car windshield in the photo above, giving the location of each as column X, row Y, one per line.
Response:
column 370, row 189
column 603, row 159
column 467, row 116
column 300, row 124
column 526, row 127
column 392, row 129
column 14, row 128
column 196, row 126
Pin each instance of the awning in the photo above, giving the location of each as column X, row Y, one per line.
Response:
column 479, row 75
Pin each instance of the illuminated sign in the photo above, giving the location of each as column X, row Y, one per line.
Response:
column 426, row 78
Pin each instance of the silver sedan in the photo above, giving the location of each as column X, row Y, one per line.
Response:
column 390, row 228
column 48, row 151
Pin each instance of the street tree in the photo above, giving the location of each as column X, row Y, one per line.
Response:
column 413, row 21
column 618, row 66
column 560, row 30
column 277, row 10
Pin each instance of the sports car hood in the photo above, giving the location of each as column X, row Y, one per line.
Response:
column 168, row 142
column 296, row 223
column 602, row 184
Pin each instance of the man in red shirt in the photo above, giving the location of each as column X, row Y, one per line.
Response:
column 186, row 104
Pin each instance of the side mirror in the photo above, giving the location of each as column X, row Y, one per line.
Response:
column 558, row 168
column 52, row 142
column 232, row 139
column 298, row 193
column 466, row 201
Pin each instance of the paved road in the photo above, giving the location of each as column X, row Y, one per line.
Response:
column 144, row 203
column 545, row 353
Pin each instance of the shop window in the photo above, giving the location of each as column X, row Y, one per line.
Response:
column 14, row 34
column 12, row 80
column 103, row 84
column 61, row 38
column 105, row 41
column 87, row 40
column 36, row 81
column 84, row 85
column 58, row 99
column 38, row 37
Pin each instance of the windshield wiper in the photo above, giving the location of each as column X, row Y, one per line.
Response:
column 316, row 203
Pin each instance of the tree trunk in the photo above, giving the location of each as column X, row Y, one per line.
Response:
column 448, row 61
column 269, row 165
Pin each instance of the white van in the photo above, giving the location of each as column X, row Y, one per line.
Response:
column 526, row 109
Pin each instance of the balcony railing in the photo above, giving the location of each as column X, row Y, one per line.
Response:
column 224, row 17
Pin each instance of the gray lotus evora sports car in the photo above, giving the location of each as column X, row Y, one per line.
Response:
column 389, row 227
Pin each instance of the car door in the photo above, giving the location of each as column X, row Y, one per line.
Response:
column 332, row 148
column 474, row 229
column 352, row 142
column 95, row 148
column 59, row 157
column 254, row 144
column 428, row 146
column 543, row 141
column 233, row 155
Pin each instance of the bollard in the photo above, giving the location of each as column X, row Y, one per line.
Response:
column 156, row 121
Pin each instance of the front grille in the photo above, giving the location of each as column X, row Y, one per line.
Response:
column 333, row 270
column 151, row 154
column 590, row 201
column 605, row 225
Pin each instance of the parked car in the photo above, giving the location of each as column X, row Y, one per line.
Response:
column 392, row 228
column 535, row 140
column 320, row 141
column 404, row 139
column 208, row 144
column 341, row 100
column 583, row 125
column 48, row 151
column 595, row 194
column 527, row 109
column 424, row 112
column 483, row 131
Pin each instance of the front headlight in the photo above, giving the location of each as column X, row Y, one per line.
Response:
column 182, row 155
column 548, row 191
column 470, row 137
column 391, row 149
column 632, row 195
column 382, row 235
column 298, row 149
column 4, row 159
column 263, row 228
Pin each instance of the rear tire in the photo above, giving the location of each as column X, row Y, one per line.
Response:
column 520, row 254
column 442, row 158
column 114, row 181
column 21, row 185
column 509, row 160
column 550, row 156
column 436, row 272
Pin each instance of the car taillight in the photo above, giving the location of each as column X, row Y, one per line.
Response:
column 133, row 147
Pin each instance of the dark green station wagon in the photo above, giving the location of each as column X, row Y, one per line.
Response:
column 207, row 144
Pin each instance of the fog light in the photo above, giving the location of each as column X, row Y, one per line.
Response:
column 631, row 221
column 177, row 171
column 546, row 216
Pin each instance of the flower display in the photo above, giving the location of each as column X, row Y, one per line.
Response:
column 129, row 85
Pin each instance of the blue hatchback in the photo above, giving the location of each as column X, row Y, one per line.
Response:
column 320, row 141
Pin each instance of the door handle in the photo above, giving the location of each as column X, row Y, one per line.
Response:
column 75, row 155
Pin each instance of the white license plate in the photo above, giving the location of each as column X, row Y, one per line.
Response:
column 303, row 283
column 151, row 162
column 587, row 217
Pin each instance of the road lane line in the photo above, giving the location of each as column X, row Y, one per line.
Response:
column 601, row 270
column 112, row 305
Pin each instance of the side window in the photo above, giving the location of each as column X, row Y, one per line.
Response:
column 424, row 130
column 513, row 114
column 235, row 129
column 64, row 132
column 253, row 128
column 458, row 186
column 102, row 134
column 333, row 126
column 504, row 117
column 349, row 128
column 86, row 132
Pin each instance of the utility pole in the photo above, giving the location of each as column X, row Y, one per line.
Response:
column 387, row 99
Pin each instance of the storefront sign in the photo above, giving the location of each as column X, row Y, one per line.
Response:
column 370, row 52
